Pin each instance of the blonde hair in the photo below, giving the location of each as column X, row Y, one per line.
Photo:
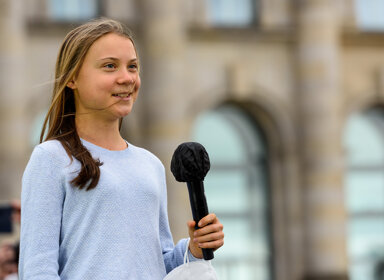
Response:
column 60, row 119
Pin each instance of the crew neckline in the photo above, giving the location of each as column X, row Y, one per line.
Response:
column 97, row 147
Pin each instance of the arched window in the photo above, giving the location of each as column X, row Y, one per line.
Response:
column 71, row 10
column 364, row 186
column 239, row 13
column 237, row 191
column 369, row 14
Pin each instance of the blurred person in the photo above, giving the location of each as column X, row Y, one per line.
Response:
column 94, row 206
column 16, row 210
column 14, row 275
column 9, row 251
column 8, row 261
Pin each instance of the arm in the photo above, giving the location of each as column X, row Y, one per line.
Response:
column 41, row 203
column 173, row 255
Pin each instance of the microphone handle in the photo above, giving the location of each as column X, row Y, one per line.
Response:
column 199, row 208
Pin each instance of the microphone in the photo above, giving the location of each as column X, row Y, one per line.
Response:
column 190, row 164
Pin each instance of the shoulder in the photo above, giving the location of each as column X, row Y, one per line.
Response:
column 51, row 151
column 146, row 155
column 48, row 160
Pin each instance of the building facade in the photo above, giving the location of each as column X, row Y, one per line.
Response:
column 286, row 95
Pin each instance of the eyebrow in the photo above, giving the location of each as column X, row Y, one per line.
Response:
column 116, row 59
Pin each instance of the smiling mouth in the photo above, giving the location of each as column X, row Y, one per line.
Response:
column 121, row 94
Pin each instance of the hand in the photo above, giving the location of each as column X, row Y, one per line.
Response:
column 209, row 235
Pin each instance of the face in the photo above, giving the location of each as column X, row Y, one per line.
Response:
column 108, row 82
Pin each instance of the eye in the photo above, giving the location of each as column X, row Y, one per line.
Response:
column 133, row 66
column 109, row 66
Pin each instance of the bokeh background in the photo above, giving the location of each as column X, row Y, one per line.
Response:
column 287, row 96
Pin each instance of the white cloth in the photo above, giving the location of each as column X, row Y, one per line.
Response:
column 197, row 270
column 11, row 277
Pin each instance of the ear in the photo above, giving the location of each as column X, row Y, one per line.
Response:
column 72, row 85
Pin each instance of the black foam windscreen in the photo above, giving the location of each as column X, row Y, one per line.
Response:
column 190, row 162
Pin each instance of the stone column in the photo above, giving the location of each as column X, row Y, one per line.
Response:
column 12, row 95
column 319, row 114
column 163, row 46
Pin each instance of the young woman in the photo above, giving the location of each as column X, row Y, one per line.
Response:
column 93, row 205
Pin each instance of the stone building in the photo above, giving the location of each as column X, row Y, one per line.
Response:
column 286, row 95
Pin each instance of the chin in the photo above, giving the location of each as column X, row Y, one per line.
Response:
column 123, row 113
column 122, row 110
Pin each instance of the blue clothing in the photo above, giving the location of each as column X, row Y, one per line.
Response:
column 117, row 231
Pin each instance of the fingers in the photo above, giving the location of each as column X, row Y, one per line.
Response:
column 213, row 240
column 215, row 227
column 209, row 219
column 211, row 234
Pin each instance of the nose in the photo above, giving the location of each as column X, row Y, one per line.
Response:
column 126, row 77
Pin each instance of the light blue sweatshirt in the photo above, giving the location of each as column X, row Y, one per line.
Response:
column 117, row 231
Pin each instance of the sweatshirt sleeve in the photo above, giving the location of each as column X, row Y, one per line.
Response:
column 42, row 199
column 173, row 255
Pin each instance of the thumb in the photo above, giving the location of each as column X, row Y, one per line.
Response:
column 191, row 228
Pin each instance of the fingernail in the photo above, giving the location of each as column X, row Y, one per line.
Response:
column 194, row 240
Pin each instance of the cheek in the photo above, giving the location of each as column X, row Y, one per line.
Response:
column 98, row 89
column 138, row 83
column 94, row 79
column 105, row 83
column 137, row 87
column 92, row 92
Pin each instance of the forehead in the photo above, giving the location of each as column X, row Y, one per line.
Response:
column 112, row 45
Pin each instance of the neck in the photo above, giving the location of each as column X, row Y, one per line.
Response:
column 103, row 133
